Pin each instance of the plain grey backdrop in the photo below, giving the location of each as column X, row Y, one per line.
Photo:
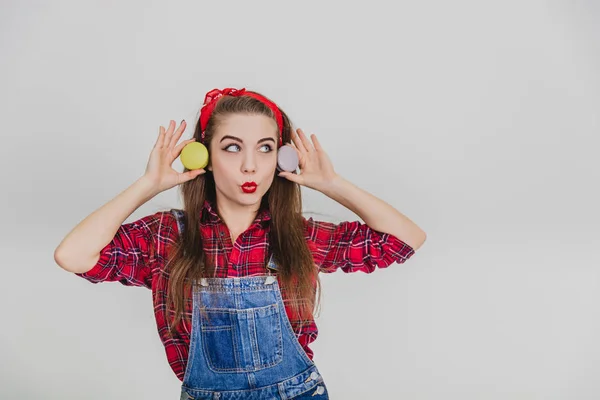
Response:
column 479, row 120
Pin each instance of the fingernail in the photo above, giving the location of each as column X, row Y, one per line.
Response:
column 182, row 121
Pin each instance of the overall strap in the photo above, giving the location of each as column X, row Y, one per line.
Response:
column 180, row 218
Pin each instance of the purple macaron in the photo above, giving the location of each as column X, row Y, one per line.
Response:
column 287, row 159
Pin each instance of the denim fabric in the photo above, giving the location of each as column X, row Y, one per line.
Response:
column 243, row 346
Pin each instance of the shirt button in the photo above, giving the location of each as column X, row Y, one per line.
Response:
column 314, row 375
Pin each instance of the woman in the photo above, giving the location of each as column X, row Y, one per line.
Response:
column 234, row 274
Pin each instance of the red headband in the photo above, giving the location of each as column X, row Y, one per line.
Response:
column 210, row 101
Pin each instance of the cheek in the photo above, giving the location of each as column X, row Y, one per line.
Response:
column 223, row 176
column 270, row 167
column 221, row 172
column 219, row 164
column 268, row 179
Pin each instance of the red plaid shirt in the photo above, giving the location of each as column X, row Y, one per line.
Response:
column 137, row 255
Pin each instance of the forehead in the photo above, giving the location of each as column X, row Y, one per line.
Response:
column 247, row 126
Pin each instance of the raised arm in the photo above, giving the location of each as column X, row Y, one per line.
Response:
column 376, row 213
column 80, row 250
column 317, row 173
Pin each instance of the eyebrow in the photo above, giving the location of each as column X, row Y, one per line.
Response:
column 241, row 141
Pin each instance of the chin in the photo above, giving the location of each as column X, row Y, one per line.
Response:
column 249, row 198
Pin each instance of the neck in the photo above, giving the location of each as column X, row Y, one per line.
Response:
column 237, row 217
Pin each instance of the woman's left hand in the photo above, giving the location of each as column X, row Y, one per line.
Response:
column 316, row 170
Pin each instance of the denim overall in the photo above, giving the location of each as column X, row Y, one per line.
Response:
column 242, row 345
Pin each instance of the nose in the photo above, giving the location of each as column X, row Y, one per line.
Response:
column 249, row 163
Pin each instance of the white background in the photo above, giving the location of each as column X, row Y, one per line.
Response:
column 478, row 120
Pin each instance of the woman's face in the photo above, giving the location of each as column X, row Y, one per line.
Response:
column 244, row 149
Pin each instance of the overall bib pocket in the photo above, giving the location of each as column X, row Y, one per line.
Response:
column 241, row 340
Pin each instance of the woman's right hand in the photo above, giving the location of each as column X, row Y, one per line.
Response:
column 159, row 169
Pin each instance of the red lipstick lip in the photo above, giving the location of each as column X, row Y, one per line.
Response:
column 249, row 187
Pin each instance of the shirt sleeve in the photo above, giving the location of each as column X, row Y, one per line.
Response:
column 353, row 246
column 134, row 252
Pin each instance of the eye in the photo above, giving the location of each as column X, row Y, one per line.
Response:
column 269, row 148
column 227, row 147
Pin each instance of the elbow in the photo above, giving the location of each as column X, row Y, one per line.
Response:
column 418, row 241
column 63, row 261
column 69, row 264
column 59, row 258
column 423, row 239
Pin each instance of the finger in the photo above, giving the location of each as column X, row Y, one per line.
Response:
column 161, row 137
column 181, row 145
column 171, row 128
column 318, row 146
column 189, row 175
column 175, row 137
column 305, row 142
column 291, row 177
column 301, row 158
column 298, row 141
column 167, row 134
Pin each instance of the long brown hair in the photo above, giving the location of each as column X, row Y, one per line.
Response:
column 297, row 273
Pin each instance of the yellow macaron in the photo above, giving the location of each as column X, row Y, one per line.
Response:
column 194, row 155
